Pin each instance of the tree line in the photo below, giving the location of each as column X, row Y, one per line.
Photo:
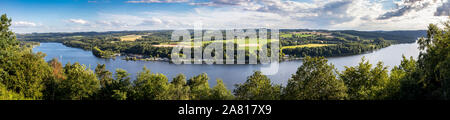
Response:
column 25, row 75
column 339, row 49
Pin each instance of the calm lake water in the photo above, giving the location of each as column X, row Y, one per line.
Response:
column 230, row 74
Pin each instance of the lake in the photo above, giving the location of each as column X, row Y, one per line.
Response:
column 230, row 74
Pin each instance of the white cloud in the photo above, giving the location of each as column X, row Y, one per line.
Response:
column 414, row 20
column 316, row 14
column 24, row 24
column 152, row 21
column 406, row 6
column 320, row 14
column 78, row 21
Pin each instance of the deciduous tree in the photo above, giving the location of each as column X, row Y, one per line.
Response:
column 257, row 87
column 315, row 80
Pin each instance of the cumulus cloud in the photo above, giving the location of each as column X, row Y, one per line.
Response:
column 251, row 14
column 314, row 14
column 157, row 1
column 152, row 21
column 78, row 21
column 406, row 6
column 443, row 10
column 108, row 22
column 334, row 12
column 24, row 24
column 319, row 12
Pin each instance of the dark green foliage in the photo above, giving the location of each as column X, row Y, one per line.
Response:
column 334, row 50
column 401, row 84
column 220, row 92
column 21, row 70
column 113, row 89
column 81, row 83
column 5, row 94
column 257, row 87
column 150, row 86
column 315, row 80
column 365, row 82
column 199, row 87
column 430, row 80
column 398, row 36
column 25, row 72
column 179, row 89
column 51, row 85
column 102, row 54
column 7, row 37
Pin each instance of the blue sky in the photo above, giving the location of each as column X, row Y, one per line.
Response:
column 114, row 15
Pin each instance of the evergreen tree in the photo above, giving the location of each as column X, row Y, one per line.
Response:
column 199, row 87
column 431, row 79
column 21, row 70
column 179, row 89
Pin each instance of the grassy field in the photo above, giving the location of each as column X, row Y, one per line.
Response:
column 306, row 45
column 289, row 35
column 245, row 46
column 283, row 35
column 130, row 37
column 303, row 35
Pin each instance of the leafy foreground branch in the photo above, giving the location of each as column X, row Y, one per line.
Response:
column 25, row 75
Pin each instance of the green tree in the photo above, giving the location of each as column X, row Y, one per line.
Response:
column 8, row 95
column 199, row 87
column 257, row 87
column 179, row 89
column 121, row 86
column 399, row 80
column 119, row 95
column 21, row 70
column 220, row 92
column 365, row 83
column 26, row 72
column 81, row 83
column 149, row 86
column 431, row 79
column 51, row 84
column 7, row 37
column 103, row 75
column 113, row 89
column 315, row 80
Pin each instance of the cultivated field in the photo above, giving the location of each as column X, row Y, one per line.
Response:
column 130, row 37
